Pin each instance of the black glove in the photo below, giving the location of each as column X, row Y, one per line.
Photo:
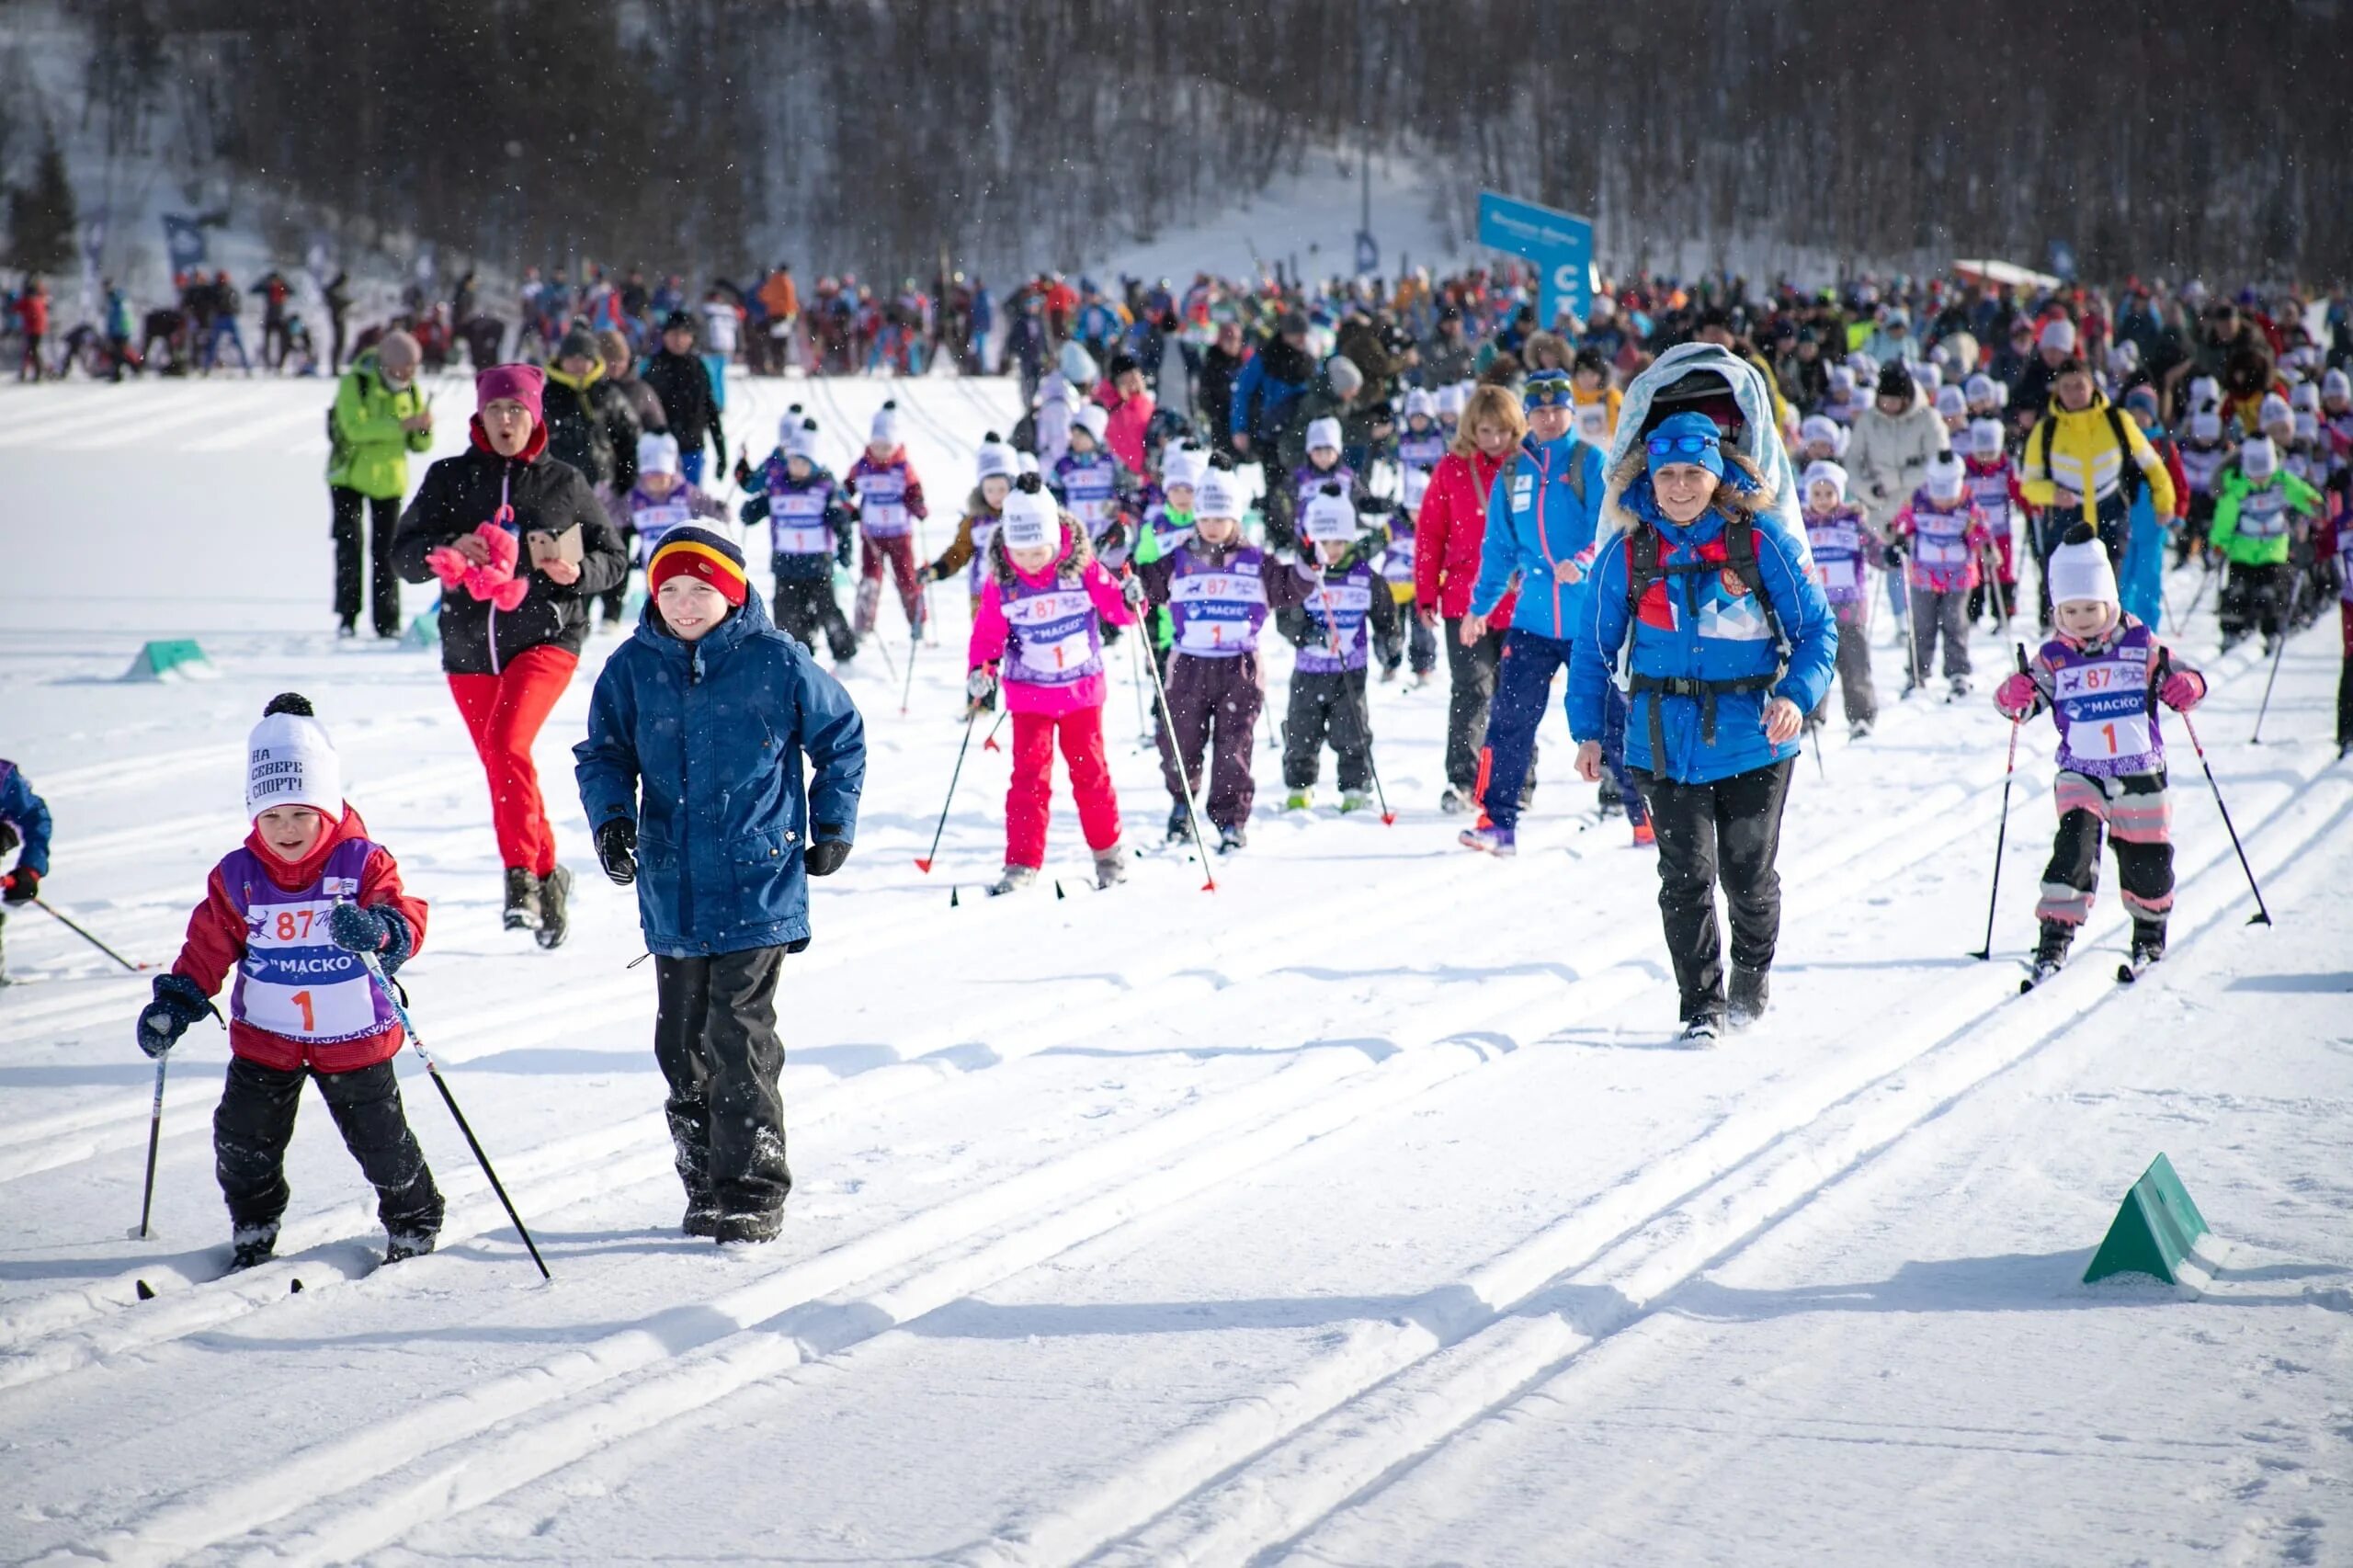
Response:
column 177, row 1003
column 1894, row 553
column 841, row 556
column 20, row 886
column 826, row 856
column 616, row 851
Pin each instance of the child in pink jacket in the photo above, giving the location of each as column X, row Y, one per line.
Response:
column 1944, row 533
column 1039, row 629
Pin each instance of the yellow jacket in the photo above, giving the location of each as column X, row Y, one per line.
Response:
column 1609, row 399
column 2078, row 451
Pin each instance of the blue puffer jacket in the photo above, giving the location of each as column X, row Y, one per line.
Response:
column 29, row 815
column 712, row 734
column 1694, row 626
column 1534, row 520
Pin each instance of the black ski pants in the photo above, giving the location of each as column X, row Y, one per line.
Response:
column 714, row 1035
column 256, row 1121
column 375, row 549
column 1728, row 831
column 1471, row 692
column 806, row 608
column 1215, row 704
column 1328, row 706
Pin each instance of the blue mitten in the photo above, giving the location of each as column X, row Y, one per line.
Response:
column 177, row 1003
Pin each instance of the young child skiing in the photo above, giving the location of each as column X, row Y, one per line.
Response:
column 996, row 465
column 1040, row 631
column 1167, row 526
column 1091, row 484
column 1335, row 597
column 1993, row 486
column 24, row 832
column 1944, row 536
column 2102, row 674
column 809, row 533
column 663, row 497
column 720, row 860
column 890, row 502
column 292, row 912
column 1845, row 550
column 2255, row 523
column 2203, row 455
column 1323, row 467
column 1216, row 590
column 1421, row 447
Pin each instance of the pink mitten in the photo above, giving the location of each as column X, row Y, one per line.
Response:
column 510, row 593
column 2016, row 696
column 447, row 565
column 504, row 550
column 2183, row 690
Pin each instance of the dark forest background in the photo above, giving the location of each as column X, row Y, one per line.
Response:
column 711, row 134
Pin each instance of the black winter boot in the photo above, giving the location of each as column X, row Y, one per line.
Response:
column 1180, row 823
column 1745, row 1004
column 556, row 913
column 252, row 1245
column 522, row 899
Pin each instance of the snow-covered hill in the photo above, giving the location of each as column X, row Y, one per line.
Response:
column 1361, row 1211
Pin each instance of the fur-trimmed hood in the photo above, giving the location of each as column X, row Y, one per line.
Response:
column 1760, row 441
column 1627, row 499
column 1077, row 553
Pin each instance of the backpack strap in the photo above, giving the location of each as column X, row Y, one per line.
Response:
column 1577, row 468
column 2129, row 477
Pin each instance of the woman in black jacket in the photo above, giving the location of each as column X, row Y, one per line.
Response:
column 514, row 611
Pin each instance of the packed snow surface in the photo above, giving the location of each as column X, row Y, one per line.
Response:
column 1363, row 1211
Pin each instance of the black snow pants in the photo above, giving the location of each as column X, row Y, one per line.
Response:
column 806, row 608
column 714, row 1035
column 1727, row 831
column 375, row 550
column 1328, row 706
column 256, row 1121
column 1471, row 692
column 1215, row 704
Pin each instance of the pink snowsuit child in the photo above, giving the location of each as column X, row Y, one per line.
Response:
column 1945, row 535
column 1040, row 634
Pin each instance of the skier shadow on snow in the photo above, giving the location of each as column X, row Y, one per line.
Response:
column 2281, row 983
column 1440, row 1311
column 1374, row 1048
column 1443, row 974
column 2004, row 1282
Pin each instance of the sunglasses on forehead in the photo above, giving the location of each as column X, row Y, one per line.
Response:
column 1548, row 394
column 1680, row 446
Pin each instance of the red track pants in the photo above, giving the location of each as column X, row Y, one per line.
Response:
column 503, row 713
column 1028, row 800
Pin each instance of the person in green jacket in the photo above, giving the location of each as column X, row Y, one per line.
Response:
column 378, row 419
column 2255, row 526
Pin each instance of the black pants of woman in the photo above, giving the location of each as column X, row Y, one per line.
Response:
column 1728, row 831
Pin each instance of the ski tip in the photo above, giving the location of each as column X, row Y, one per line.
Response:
column 294, row 1288
column 2124, row 975
column 1058, row 889
column 2025, row 985
column 954, row 901
column 146, row 1292
column 923, row 865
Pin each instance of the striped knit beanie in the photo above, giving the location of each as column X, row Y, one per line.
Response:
column 702, row 553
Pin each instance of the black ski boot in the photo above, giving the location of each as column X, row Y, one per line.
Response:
column 746, row 1226
column 1610, row 799
column 1703, row 1028
column 400, row 1247
column 556, row 913
column 522, row 899
column 1180, row 824
column 2148, row 946
column 1230, row 838
column 1745, row 1005
column 252, row 1245
column 2050, row 952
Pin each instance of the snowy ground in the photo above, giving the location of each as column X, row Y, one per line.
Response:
column 1361, row 1212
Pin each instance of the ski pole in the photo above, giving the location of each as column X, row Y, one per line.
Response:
column 408, row 1027
column 907, row 692
column 924, row 863
column 154, row 1141
column 2262, row 916
column 1168, row 718
column 2279, row 647
column 2002, row 834
column 70, row 925
column 990, row 744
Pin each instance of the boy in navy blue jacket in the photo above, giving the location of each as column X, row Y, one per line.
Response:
column 24, row 829
column 725, row 847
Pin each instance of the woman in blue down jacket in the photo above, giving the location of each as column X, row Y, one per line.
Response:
column 1727, row 643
